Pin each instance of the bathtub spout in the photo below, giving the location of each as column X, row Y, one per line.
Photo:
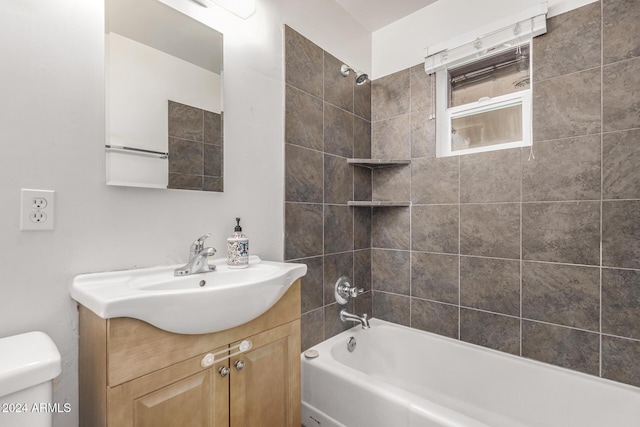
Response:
column 364, row 321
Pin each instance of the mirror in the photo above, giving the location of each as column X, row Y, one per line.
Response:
column 164, row 117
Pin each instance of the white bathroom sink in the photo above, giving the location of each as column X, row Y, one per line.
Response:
column 194, row 304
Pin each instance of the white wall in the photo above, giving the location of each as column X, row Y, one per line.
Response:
column 401, row 44
column 52, row 137
column 140, row 80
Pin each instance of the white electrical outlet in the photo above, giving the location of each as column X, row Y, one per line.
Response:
column 36, row 209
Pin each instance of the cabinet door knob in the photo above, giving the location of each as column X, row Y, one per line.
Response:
column 239, row 365
column 224, row 371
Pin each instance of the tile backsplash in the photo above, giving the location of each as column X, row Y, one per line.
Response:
column 534, row 256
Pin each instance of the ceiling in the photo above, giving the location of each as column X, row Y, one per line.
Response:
column 162, row 27
column 148, row 21
column 375, row 14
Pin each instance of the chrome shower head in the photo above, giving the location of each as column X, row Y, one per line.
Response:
column 361, row 77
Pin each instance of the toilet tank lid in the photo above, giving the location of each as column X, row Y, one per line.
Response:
column 26, row 360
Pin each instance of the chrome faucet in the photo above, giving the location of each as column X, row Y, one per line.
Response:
column 344, row 291
column 364, row 321
column 198, row 259
column 197, row 246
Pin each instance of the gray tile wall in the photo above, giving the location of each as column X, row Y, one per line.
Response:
column 534, row 257
column 195, row 148
column 327, row 120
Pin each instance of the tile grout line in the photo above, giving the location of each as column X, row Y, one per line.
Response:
column 410, row 208
column 622, row 337
column 521, row 242
column 410, row 265
column 533, row 85
column 584, row 135
column 411, row 189
column 524, row 261
column 353, row 192
column 371, row 314
column 324, row 303
column 568, row 74
column 577, row 136
column 469, row 204
column 601, row 178
column 322, row 99
column 512, row 316
column 526, row 202
column 469, row 256
column 459, row 248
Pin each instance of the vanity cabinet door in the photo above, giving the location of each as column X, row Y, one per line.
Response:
column 184, row 394
column 266, row 390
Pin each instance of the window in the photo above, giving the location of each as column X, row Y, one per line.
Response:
column 483, row 87
column 488, row 104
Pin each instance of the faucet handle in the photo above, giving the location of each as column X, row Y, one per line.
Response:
column 354, row 292
column 345, row 290
column 198, row 245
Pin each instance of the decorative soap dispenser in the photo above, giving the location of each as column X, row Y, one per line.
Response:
column 238, row 248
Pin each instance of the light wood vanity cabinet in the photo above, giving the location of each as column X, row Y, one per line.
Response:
column 135, row 375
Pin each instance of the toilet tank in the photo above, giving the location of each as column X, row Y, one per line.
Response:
column 28, row 364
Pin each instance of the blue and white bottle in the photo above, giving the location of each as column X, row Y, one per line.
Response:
column 238, row 248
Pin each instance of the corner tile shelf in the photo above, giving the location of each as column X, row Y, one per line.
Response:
column 377, row 164
column 377, row 203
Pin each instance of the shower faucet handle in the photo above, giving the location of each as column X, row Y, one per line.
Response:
column 354, row 292
column 345, row 290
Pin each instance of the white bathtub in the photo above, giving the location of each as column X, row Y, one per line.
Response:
column 401, row 377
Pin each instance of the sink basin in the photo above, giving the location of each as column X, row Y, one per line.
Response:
column 195, row 304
